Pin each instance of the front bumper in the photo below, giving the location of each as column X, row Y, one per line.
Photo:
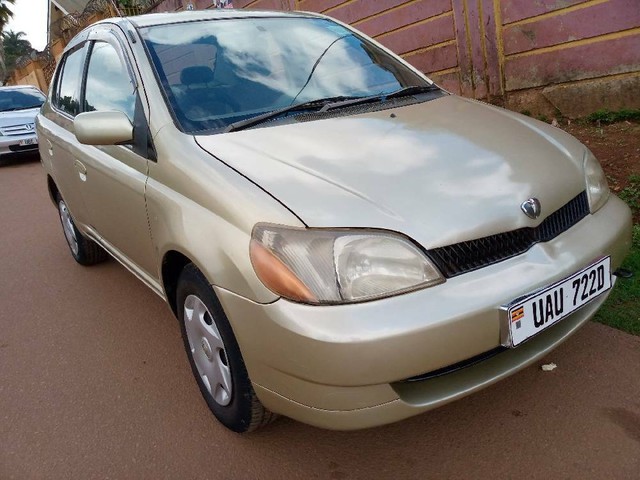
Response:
column 11, row 144
column 343, row 367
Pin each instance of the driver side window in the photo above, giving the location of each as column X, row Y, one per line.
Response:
column 108, row 86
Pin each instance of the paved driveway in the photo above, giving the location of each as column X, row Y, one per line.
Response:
column 94, row 384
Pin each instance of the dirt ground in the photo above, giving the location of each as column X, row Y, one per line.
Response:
column 94, row 384
column 617, row 146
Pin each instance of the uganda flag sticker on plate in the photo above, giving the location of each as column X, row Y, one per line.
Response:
column 516, row 317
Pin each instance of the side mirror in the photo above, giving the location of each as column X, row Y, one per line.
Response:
column 103, row 128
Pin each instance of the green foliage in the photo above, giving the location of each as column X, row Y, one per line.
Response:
column 526, row 112
column 608, row 116
column 15, row 46
column 622, row 308
column 5, row 13
column 631, row 193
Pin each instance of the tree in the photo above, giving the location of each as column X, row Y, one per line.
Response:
column 5, row 15
column 15, row 46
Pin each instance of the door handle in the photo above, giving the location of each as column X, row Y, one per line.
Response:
column 82, row 170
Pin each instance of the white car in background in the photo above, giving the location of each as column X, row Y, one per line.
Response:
column 19, row 106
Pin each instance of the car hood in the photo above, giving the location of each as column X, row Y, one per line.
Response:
column 18, row 117
column 441, row 172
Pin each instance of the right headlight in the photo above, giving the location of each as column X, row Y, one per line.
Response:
column 321, row 266
column 596, row 181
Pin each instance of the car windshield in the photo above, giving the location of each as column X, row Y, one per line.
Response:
column 20, row 99
column 220, row 72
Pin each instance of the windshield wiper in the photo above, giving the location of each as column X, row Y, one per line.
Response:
column 382, row 97
column 317, row 104
column 413, row 90
column 326, row 104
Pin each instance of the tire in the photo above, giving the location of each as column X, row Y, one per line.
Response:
column 84, row 250
column 214, row 356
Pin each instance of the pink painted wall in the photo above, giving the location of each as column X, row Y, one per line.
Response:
column 501, row 50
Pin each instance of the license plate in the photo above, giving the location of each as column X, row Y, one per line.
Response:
column 28, row 141
column 531, row 314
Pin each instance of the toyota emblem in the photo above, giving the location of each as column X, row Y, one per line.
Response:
column 531, row 208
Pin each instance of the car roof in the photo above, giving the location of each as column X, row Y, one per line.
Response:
column 153, row 19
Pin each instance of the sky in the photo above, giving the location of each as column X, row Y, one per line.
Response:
column 30, row 17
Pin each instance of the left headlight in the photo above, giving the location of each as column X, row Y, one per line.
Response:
column 321, row 266
column 596, row 181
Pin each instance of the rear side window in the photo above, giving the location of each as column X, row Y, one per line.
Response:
column 109, row 86
column 70, row 78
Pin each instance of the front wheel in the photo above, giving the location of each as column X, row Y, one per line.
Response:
column 214, row 355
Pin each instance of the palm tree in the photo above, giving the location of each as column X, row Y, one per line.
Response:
column 5, row 15
column 5, row 12
column 15, row 46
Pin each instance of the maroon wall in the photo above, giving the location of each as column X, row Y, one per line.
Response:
column 545, row 55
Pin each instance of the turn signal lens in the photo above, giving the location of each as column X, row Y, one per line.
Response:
column 277, row 276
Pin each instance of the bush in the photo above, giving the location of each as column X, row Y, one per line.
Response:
column 607, row 116
column 631, row 193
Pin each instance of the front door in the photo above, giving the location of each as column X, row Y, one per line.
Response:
column 115, row 176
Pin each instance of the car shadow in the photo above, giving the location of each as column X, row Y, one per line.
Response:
column 19, row 159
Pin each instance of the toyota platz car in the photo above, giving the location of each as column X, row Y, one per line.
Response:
column 342, row 241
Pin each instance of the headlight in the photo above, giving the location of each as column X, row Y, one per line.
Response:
column 321, row 266
column 594, row 177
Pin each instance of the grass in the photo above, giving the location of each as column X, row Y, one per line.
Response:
column 631, row 193
column 622, row 308
column 608, row 116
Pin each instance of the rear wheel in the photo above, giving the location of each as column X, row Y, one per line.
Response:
column 84, row 250
column 214, row 355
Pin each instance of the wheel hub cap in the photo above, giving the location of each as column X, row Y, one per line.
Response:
column 67, row 227
column 207, row 350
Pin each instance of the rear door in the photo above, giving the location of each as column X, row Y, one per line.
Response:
column 58, row 144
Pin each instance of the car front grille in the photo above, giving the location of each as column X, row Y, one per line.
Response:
column 22, row 129
column 463, row 257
